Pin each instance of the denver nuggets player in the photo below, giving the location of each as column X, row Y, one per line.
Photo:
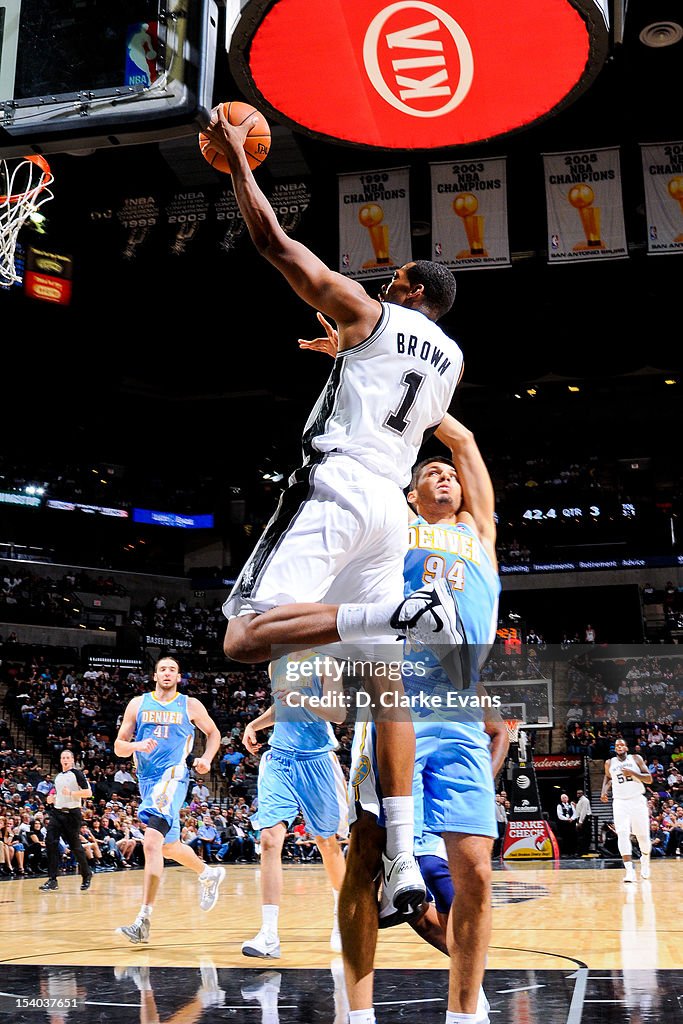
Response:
column 299, row 772
column 458, row 751
column 163, row 723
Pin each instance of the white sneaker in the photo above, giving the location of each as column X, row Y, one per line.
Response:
column 263, row 945
column 209, row 881
column 137, row 932
column 644, row 867
column 403, row 887
column 429, row 618
column 630, row 875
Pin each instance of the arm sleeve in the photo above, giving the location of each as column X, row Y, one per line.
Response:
column 81, row 779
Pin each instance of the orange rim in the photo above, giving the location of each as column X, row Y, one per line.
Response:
column 44, row 166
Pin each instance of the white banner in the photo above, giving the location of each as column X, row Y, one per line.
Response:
column 663, row 177
column 469, row 214
column 585, row 207
column 374, row 223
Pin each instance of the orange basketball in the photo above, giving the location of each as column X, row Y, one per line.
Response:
column 256, row 144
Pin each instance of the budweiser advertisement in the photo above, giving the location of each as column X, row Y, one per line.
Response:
column 530, row 840
column 557, row 762
column 415, row 74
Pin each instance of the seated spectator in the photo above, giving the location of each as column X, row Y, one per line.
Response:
column 659, row 837
column 206, row 843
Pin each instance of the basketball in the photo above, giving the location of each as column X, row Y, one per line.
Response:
column 256, row 144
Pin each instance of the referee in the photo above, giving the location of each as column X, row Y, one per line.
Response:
column 64, row 820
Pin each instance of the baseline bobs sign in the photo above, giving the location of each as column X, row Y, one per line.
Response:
column 415, row 74
column 374, row 223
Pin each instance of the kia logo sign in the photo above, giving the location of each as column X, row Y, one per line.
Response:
column 419, row 63
column 415, row 74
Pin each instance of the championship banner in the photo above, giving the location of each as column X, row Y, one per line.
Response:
column 374, row 223
column 530, row 840
column 229, row 218
column 186, row 213
column 290, row 201
column 663, row 178
column 585, row 208
column 469, row 214
column 138, row 216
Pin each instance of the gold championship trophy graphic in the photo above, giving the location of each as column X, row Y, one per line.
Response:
column 675, row 188
column 465, row 206
column 582, row 198
column 371, row 216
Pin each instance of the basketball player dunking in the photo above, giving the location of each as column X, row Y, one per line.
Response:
column 339, row 534
column 626, row 775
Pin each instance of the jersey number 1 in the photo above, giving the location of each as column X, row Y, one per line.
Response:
column 412, row 381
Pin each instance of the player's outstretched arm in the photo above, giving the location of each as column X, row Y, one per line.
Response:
column 478, row 494
column 342, row 298
column 606, row 784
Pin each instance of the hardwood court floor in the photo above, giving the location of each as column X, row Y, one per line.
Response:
column 545, row 917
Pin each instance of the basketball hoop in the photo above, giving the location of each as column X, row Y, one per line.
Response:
column 23, row 190
column 512, row 725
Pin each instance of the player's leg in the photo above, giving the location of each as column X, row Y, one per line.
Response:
column 321, row 788
column 622, row 825
column 640, row 825
column 266, row 943
column 153, row 843
column 469, row 922
column 358, row 913
column 278, row 806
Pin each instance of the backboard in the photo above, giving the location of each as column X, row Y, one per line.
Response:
column 92, row 74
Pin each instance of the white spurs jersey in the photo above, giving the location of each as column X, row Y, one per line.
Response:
column 386, row 396
column 624, row 788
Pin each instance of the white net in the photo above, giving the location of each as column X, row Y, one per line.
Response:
column 23, row 190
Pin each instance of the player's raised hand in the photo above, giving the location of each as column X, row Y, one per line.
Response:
column 329, row 344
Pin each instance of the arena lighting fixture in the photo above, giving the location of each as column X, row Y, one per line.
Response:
column 670, row 380
column 531, row 391
column 661, row 33
column 414, row 74
column 573, row 388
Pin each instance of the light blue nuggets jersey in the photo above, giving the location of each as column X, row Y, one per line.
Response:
column 169, row 725
column 455, row 552
column 298, row 731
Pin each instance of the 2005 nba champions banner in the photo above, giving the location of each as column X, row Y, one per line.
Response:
column 469, row 214
column 663, row 178
column 585, row 206
column 374, row 223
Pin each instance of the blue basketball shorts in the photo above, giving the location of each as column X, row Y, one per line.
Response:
column 313, row 786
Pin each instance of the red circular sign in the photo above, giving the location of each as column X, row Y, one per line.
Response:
column 416, row 74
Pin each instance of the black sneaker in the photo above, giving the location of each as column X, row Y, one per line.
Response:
column 85, row 884
column 49, row 886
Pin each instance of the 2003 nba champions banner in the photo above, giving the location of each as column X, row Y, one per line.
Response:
column 663, row 177
column 585, row 207
column 374, row 223
column 469, row 214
